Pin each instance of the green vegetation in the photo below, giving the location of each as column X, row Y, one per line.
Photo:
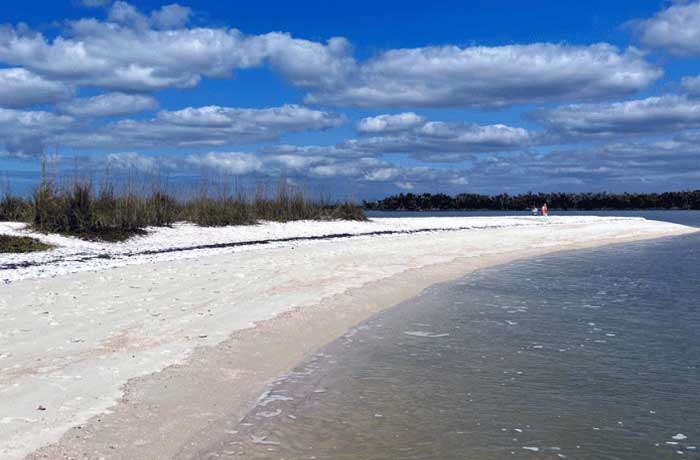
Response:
column 21, row 244
column 82, row 210
column 15, row 209
column 505, row 202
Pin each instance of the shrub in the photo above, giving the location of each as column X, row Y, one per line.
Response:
column 347, row 211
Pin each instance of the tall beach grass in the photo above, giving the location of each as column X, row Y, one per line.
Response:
column 114, row 211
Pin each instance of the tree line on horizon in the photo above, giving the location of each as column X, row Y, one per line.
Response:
column 524, row 201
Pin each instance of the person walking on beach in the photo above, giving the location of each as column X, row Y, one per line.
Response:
column 535, row 210
column 544, row 210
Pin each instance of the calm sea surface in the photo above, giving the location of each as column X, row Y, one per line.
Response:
column 590, row 354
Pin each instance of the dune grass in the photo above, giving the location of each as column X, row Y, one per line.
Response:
column 112, row 213
column 17, row 244
column 14, row 209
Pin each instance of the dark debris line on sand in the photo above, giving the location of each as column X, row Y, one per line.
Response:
column 333, row 236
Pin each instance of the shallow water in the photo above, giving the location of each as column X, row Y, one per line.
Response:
column 591, row 354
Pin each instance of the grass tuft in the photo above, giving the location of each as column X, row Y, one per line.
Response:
column 17, row 244
column 15, row 209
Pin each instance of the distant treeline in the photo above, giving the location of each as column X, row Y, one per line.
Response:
column 505, row 202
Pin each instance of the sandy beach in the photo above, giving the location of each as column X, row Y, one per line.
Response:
column 131, row 350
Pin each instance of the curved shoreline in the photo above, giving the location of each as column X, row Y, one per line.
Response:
column 403, row 288
column 220, row 382
column 184, row 240
column 442, row 374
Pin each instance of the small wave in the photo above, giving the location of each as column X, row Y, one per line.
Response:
column 429, row 335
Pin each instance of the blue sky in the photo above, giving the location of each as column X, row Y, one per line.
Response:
column 357, row 99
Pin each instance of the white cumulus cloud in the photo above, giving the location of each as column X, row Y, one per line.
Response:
column 132, row 51
column 231, row 162
column 443, row 141
column 110, row 104
column 675, row 29
column 662, row 114
column 171, row 16
column 390, row 123
column 205, row 126
column 29, row 132
column 132, row 161
column 450, row 76
column 20, row 88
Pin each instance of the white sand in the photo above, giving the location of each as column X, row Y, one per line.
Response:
column 70, row 343
column 73, row 255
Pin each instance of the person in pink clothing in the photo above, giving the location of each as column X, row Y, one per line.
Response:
column 544, row 209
